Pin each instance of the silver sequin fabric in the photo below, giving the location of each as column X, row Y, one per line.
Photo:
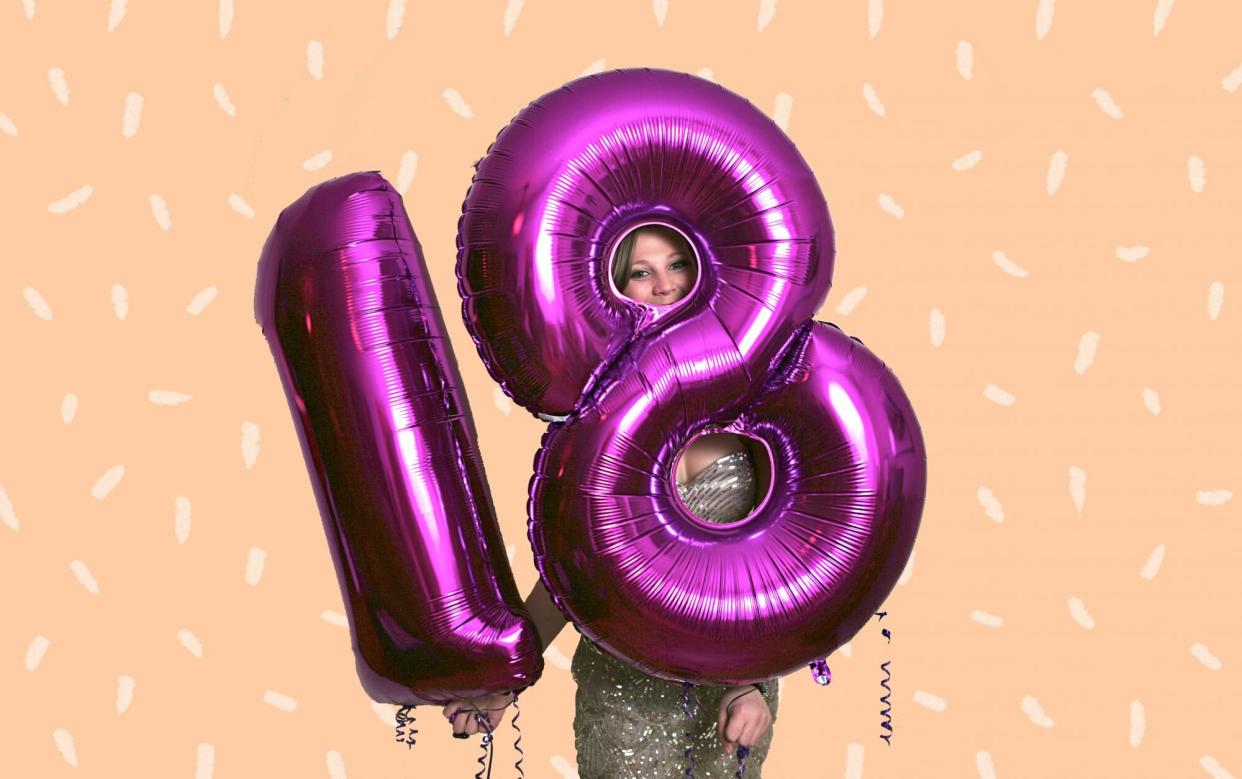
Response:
column 628, row 725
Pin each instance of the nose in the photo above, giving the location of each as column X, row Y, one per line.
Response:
column 664, row 285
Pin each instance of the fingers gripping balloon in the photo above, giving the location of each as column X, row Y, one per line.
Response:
column 620, row 554
column 344, row 299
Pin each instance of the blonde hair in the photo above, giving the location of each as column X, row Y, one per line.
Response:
column 624, row 256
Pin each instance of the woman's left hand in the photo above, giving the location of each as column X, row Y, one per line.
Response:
column 744, row 717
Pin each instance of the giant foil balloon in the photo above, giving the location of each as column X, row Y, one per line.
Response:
column 621, row 555
column 344, row 299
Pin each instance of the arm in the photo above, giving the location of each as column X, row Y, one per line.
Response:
column 547, row 617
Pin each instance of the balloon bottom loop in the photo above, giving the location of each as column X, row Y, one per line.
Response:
column 405, row 726
column 821, row 673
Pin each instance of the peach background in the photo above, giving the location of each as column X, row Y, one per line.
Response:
column 1037, row 208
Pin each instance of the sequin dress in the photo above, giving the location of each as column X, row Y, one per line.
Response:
column 628, row 725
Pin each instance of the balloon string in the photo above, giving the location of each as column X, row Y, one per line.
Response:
column 743, row 752
column 685, row 706
column 885, row 712
column 485, row 759
column 405, row 719
column 517, row 743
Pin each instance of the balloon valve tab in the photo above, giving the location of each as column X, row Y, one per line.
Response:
column 821, row 673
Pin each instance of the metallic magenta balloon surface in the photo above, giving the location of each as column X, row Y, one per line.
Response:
column 580, row 167
column 344, row 299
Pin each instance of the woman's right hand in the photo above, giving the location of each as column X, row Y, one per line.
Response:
column 463, row 715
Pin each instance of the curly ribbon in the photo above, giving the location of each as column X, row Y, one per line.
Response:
column 821, row 673
column 743, row 752
column 485, row 759
column 517, row 742
column 887, row 723
column 405, row 719
column 685, row 706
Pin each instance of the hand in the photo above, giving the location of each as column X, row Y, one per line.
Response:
column 744, row 717
column 464, row 715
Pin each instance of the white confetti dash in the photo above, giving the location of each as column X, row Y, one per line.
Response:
column 116, row 13
column 513, row 9
column 1138, row 723
column 1087, row 345
column 556, row 657
column 888, row 205
column 201, row 300
column 336, row 765
column 167, row 397
column 998, row 395
column 132, row 116
column 222, row 99
column 873, row 100
column 182, row 517
column 120, row 301
column 908, row 571
column 1233, row 80
column 84, row 577
column 1105, row 102
column 707, row 73
column 71, row 201
column 1009, row 266
column 1056, row 171
column 457, row 103
column 1216, row 298
column 64, row 742
column 933, row 702
column 563, row 767
column 937, row 326
column 107, row 482
column 226, row 18
column 1078, row 487
column 386, row 712
column 660, row 8
column 239, row 204
column 60, row 87
column 317, row 161
column 395, row 18
column 334, row 618
column 1043, row 18
column 510, row 551
column 190, row 642
column 204, row 761
column 37, row 304
column 35, row 652
column 782, row 110
column 250, row 444
column 255, row 559
column 991, row 505
column 1213, row 497
column 1132, row 253
column 1163, row 9
column 280, row 701
column 965, row 59
column 1151, row 399
column 767, row 10
column 1201, row 653
column 852, row 299
column 124, row 693
column 1079, row 612
column 854, row 761
column 29, row 7
column 983, row 764
column 159, row 210
column 847, row 650
column 1195, row 172
column 7, row 515
column 6, row 125
column 406, row 170
column 595, row 67
column 1035, row 712
column 986, row 619
column 1152, row 566
column 314, row 60
column 875, row 17
column 968, row 160
column 1214, row 768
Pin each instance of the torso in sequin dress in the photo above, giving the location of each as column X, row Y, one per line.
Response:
column 628, row 725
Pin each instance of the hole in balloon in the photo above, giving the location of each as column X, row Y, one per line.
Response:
column 723, row 478
column 656, row 264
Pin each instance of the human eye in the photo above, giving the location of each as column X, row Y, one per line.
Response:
column 638, row 273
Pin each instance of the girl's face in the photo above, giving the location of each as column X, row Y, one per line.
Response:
column 660, row 272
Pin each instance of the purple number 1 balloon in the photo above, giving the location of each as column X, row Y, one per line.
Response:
column 349, row 313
